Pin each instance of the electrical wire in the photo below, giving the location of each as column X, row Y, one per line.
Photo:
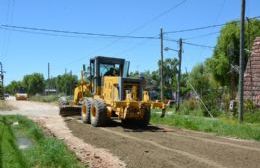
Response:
column 189, row 43
column 202, row 35
column 138, row 28
column 203, row 27
column 198, row 45
column 36, row 29
column 157, row 17
column 7, row 35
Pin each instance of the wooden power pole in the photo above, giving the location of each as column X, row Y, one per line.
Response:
column 162, row 80
column 241, row 62
column 161, row 68
column 1, row 81
column 179, row 74
column 48, row 78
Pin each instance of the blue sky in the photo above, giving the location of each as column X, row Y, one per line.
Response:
column 24, row 53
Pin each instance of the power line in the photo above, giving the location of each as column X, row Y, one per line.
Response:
column 195, row 29
column 215, row 22
column 158, row 16
column 65, row 33
column 139, row 27
column 203, row 27
column 36, row 29
column 7, row 35
column 199, row 45
column 42, row 33
column 202, row 35
column 192, row 44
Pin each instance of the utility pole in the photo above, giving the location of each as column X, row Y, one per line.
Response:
column 241, row 62
column 162, row 80
column 161, row 74
column 2, row 81
column 48, row 78
column 71, row 83
column 179, row 74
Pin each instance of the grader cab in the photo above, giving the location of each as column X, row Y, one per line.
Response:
column 114, row 94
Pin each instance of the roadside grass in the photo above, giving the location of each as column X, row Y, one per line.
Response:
column 4, row 106
column 45, row 98
column 252, row 117
column 45, row 151
column 221, row 126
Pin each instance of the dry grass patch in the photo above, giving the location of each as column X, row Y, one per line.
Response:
column 4, row 106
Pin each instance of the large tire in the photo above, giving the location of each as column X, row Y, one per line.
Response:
column 85, row 111
column 146, row 119
column 98, row 113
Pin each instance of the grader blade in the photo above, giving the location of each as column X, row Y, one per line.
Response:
column 70, row 111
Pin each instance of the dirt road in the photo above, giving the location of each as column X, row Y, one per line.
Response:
column 157, row 147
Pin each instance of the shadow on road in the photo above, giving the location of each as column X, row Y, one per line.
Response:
column 129, row 127
column 134, row 127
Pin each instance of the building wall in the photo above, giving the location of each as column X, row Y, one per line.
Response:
column 252, row 74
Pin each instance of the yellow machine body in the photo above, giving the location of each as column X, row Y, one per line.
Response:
column 109, row 93
column 130, row 107
column 21, row 96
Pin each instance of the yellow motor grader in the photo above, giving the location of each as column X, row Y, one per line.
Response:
column 21, row 94
column 106, row 91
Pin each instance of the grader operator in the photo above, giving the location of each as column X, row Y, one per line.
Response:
column 106, row 91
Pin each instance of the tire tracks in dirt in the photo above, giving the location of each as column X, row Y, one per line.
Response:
column 169, row 147
column 180, row 152
column 217, row 142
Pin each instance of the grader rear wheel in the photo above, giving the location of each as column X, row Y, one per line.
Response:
column 98, row 113
column 85, row 111
column 146, row 119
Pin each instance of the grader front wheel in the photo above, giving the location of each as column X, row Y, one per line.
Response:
column 98, row 113
column 85, row 111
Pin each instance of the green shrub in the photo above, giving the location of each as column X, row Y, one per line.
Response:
column 249, row 106
column 252, row 117
column 190, row 107
column 47, row 98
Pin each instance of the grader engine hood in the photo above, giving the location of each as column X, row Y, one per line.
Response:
column 117, row 89
column 127, row 96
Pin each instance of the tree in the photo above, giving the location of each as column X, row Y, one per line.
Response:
column 226, row 53
column 169, row 75
column 33, row 83
column 199, row 78
column 134, row 74
column 153, row 78
column 13, row 87
column 51, row 83
column 66, row 83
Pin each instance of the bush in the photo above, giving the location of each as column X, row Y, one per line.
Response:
column 49, row 98
column 249, row 106
column 190, row 107
column 252, row 117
